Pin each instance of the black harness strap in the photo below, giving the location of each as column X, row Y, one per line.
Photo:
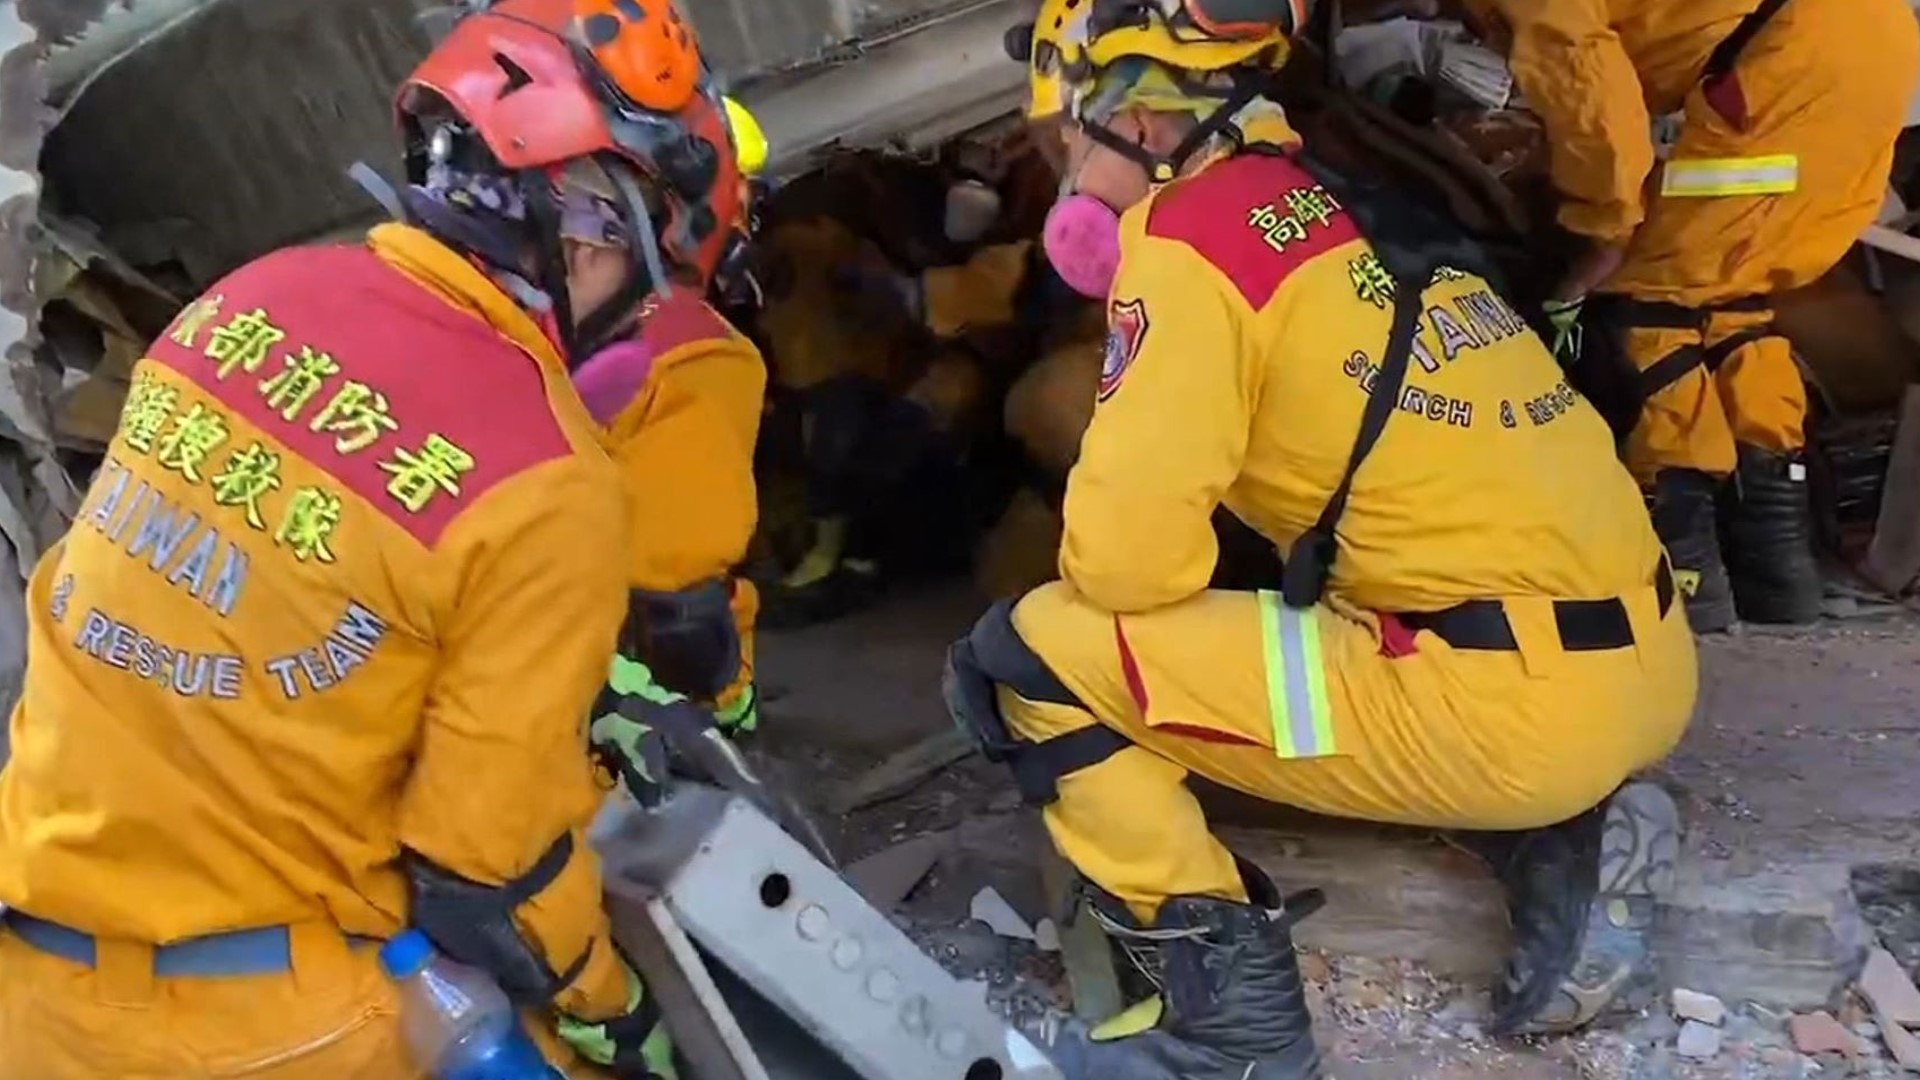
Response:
column 1412, row 245
column 1674, row 366
column 1726, row 55
column 1636, row 314
column 1309, row 561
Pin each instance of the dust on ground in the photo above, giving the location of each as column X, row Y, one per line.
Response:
column 1807, row 745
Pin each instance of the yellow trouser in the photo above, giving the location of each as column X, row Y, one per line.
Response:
column 745, row 605
column 1440, row 737
column 1755, row 395
column 1739, row 213
column 335, row 1017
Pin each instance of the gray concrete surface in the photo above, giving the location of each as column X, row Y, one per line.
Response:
column 1803, row 764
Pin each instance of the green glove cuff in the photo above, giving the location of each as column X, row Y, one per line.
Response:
column 743, row 716
column 631, row 678
column 1564, row 317
column 601, row 1043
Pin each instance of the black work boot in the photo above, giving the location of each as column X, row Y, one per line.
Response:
column 1683, row 516
column 1581, row 895
column 1768, row 524
column 1232, row 1004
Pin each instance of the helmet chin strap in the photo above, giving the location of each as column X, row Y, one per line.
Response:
column 1162, row 170
column 649, row 278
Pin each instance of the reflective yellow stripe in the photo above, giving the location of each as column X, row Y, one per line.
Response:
column 1705, row 177
column 1296, row 681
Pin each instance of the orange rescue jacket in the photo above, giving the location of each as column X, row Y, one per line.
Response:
column 347, row 583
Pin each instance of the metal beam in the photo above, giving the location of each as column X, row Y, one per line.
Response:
column 918, row 89
column 123, row 29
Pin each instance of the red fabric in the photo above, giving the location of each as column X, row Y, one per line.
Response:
column 1130, row 668
column 1208, row 735
column 1212, row 214
column 443, row 371
column 1728, row 99
column 1396, row 638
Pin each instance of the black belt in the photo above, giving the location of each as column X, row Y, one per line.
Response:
column 1585, row 625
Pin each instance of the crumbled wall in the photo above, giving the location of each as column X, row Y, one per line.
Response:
column 22, row 415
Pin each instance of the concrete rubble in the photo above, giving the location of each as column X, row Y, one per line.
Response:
column 1698, row 1040
column 1819, row 1033
column 1890, row 997
column 1889, row 990
column 1695, row 1006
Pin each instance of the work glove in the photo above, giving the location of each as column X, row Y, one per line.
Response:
column 636, row 724
column 634, row 1045
column 644, row 733
column 741, row 716
column 1564, row 317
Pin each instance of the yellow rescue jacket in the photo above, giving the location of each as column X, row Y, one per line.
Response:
column 347, row 582
column 1598, row 71
column 1246, row 330
column 683, row 436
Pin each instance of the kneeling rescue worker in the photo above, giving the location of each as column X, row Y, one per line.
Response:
column 1478, row 629
column 316, row 660
column 1791, row 109
column 680, row 400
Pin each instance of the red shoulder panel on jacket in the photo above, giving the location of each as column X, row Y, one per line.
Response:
column 680, row 320
column 1256, row 217
column 412, row 404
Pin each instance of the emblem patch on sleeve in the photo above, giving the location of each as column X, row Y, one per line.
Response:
column 1126, row 331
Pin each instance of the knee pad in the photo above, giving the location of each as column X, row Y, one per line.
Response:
column 994, row 655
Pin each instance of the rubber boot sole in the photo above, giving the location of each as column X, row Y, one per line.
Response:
column 1640, row 847
column 1158, row 1056
column 1301, row 1061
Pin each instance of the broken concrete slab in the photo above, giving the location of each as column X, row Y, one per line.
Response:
column 1705, row 1008
column 1902, row 1044
column 887, row 877
column 1820, row 1033
column 1390, row 893
column 991, row 908
column 1888, row 989
column 907, row 769
column 1698, row 1041
column 1788, row 939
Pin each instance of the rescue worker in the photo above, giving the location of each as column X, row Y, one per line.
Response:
column 681, row 404
column 1477, row 629
column 315, row 661
column 1791, row 110
column 835, row 360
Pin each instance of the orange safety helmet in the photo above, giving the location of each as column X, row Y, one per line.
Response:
column 645, row 47
column 543, row 83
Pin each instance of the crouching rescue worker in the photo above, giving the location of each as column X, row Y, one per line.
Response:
column 680, row 399
column 1791, row 109
column 316, row 660
column 1478, row 629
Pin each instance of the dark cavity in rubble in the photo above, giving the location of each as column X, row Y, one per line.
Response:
column 1889, row 899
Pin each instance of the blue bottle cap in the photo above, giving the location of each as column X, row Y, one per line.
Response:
column 406, row 954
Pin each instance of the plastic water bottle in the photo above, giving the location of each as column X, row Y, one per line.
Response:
column 458, row 1024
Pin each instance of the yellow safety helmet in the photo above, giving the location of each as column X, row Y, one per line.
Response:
column 750, row 142
column 1072, row 41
